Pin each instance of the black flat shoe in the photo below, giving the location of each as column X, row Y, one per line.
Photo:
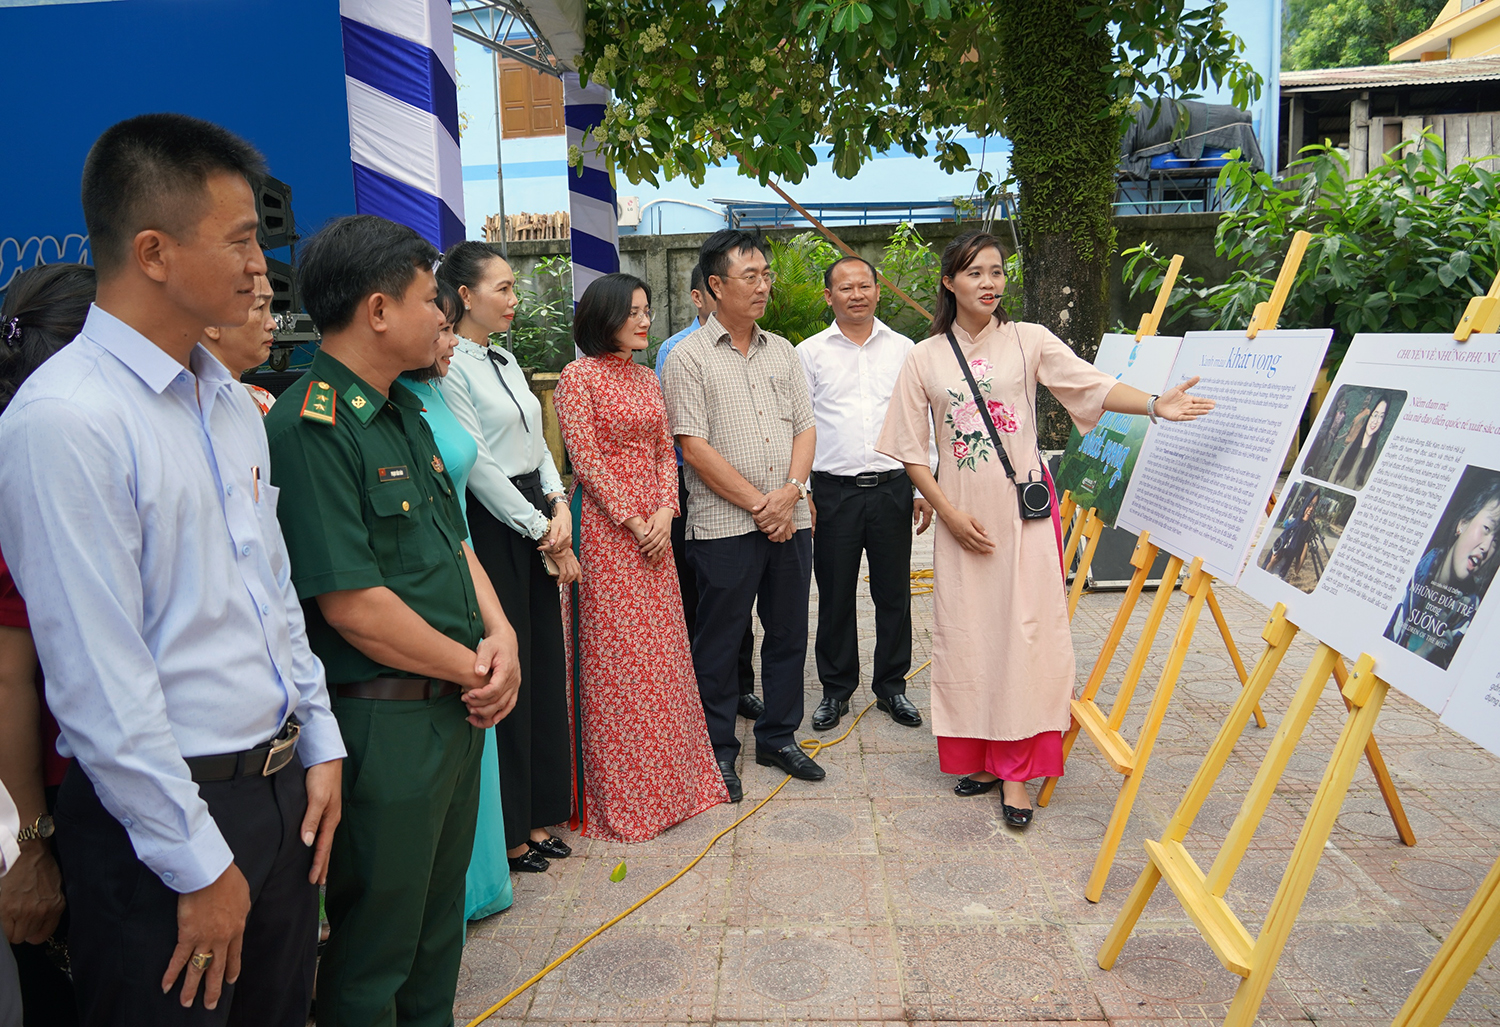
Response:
column 826, row 716
column 731, row 780
column 967, row 786
column 531, row 863
column 1016, row 817
column 552, row 847
column 751, row 707
column 901, row 709
column 792, row 760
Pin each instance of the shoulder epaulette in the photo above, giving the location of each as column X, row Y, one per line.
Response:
column 319, row 404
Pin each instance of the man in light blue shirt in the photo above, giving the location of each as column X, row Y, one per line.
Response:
column 138, row 521
column 750, row 705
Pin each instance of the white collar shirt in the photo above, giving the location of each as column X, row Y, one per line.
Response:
column 851, row 388
column 138, row 519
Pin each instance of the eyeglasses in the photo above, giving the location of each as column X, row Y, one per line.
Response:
column 753, row 280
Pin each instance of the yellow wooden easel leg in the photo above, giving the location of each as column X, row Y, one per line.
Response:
column 1278, row 634
column 1382, row 774
column 1070, row 548
column 1367, row 693
column 1141, row 559
column 1197, row 590
column 1093, row 530
column 1462, row 952
column 1234, row 650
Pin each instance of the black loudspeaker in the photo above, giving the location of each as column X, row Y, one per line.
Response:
column 287, row 299
column 273, row 205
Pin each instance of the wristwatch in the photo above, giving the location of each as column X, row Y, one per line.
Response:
column 563, row 500
column 1151, row 408
column 43, row 828
column 802, row 489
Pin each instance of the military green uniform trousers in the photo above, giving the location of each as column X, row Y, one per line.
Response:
column 396, row 877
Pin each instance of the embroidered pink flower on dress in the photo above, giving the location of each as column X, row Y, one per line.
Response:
column 1003, row 416
column 960, row 449
column 980, row 366
column 966, row 417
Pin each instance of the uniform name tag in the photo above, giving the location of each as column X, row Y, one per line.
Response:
column 394, row 473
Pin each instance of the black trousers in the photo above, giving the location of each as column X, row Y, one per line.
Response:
column 875, row 521
column 536, row 775
column 124, row 919
column 47, row 998
column 737, row 574
column 687, row 578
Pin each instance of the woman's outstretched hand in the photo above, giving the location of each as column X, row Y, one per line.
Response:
column 1176, row 404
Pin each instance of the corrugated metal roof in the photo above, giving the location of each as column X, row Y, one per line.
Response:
column 1410, row 73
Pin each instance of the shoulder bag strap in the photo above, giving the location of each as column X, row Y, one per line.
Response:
column 984, row 408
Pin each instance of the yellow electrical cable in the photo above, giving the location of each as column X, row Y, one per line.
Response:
column 813, row 747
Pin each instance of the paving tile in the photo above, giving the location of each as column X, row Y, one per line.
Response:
column 698, row 897
column 633, row 974
column 780, row 889
column 802, row 973
column 827, row 826
column 1002, row 973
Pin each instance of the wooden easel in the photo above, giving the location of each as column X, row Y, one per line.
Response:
column 1202, row 894
column 1088, row 525
column 1479, row 927
column 1129, row 760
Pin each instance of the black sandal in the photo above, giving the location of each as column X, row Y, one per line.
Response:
column 967, row 786
column 551, row 847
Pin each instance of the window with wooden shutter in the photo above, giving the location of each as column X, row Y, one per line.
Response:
column 531, row 104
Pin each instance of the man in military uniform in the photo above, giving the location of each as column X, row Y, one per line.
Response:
column 419, row 654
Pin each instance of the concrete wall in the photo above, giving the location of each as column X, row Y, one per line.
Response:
column 666, row 261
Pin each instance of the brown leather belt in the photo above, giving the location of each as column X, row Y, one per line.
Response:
column 406, row 689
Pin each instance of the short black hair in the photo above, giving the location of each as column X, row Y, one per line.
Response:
column 603, row 308
column 713, row 257
column 695, row 280
column 354, row 257
column 828, row 274
column 44, row 309
column 464, row 264
column 148, row 173
column 450, row 303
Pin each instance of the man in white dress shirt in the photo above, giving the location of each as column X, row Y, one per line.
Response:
column 863, row 501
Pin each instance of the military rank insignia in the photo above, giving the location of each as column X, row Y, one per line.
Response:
column 363, row 408
column 319, row 404
column 437, row 463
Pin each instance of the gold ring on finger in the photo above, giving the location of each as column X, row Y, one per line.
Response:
column 201, row 960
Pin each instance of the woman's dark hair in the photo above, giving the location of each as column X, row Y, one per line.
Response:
column 44, row 309
column 149, row 172
column 959, row 254
column 464, row 264
column 354, row 257
column 603, row 310
column 452, row 305
column 1364, row 455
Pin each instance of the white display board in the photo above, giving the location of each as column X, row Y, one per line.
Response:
column 1385, row 538
column 1200, row 487
column 1096, row 466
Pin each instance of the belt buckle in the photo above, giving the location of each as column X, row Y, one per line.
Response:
column 282, row 749
column 867, row 480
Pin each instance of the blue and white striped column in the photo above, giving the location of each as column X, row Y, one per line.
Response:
column 595, row 233
column 403, row 114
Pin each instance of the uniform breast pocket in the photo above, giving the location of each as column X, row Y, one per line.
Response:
column 781, row 388
column 402, row 532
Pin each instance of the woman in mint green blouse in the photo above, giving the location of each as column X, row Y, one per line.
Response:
column 488, row 888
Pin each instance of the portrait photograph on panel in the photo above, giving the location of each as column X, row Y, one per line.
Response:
column 1455, row 572
column 1306, row 530
column 1351, row 437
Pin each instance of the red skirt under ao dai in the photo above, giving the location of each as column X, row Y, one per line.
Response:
column 1023, row 759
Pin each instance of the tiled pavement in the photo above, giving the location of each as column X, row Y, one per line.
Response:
column 879, row 897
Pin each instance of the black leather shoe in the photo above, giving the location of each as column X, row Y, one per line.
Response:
column 827, row 715
column 531, row 863
column 731, row 780
column 751, row 707
column 552, row 848
column 967, row 786
column 1016, row 817
column 901, row 709
column 792, row 760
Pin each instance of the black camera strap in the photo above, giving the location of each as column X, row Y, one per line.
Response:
column 984, row 408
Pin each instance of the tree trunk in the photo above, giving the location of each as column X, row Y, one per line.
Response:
column 1065, row 132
